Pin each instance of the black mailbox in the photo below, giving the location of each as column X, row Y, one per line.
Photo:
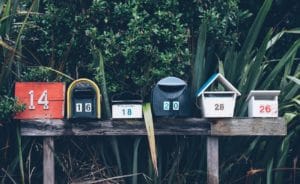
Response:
column 170, row 98
column 83, row 99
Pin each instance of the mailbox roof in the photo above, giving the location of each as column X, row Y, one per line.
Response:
column 222, row 80
column 263, row 93
column 171, row 81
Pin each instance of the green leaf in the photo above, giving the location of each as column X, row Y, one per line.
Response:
column 115, row 147
column 294, row 79
column 151, row 136
column 269, row 172
column 251, row 39
column 280, row 34
column 135, row 159
column 281, row 64
column 199, row 64
column 98, row 58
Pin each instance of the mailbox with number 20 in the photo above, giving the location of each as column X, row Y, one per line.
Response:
column 83, row 99
column 170, row 98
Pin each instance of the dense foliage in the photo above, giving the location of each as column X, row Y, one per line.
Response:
column 141, row 41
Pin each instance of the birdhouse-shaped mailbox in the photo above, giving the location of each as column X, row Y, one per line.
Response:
column 42, row 100
column 170, row 98
column 83, row 99
column 263, row 103
column 127, row 106
column 216, row 104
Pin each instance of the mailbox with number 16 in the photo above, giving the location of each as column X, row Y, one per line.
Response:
column 83, row 99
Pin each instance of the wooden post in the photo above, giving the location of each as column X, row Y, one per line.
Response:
column 212, row 160
column 48, row 161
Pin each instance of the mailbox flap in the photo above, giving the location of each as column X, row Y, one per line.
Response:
column 55, row 90
column 171, row 81
column 263, row 94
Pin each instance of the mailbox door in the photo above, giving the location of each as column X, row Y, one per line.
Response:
column 84, row 108
column 43, row 100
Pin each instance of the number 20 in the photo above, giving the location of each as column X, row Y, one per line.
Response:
column 43, row 100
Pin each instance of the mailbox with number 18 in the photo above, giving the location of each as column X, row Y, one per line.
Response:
column 83, row 99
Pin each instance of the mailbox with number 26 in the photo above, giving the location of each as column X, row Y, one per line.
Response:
column 43, row 100
column 83, row 99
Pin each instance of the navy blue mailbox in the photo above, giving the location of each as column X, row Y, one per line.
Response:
column 170, row 98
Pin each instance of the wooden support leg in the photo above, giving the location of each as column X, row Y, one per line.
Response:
column 48, row 161
column 212, row 160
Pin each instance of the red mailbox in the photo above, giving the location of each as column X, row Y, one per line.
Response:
column 43, row 100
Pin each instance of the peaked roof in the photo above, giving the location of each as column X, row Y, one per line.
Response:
column 222, row 80
column 263, row 93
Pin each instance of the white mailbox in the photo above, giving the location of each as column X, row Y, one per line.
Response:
column 263, row 103
column 127, row 106
column 215, row 104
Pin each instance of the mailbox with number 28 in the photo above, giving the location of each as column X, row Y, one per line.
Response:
column 216, row 103
column 43, row 100
column 83, row 99
column 170, row 97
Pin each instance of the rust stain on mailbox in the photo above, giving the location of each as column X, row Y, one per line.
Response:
column 43, row 100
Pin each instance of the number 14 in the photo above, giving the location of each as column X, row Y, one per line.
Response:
column 43, row 100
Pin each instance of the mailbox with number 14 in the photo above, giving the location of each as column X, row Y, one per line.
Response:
column 43, row 100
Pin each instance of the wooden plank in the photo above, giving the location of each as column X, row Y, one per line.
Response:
column 190, row 126
column 48, row 161
column 212, row 160
column 249, row 127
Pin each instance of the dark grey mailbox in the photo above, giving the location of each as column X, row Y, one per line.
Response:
column 170, row 98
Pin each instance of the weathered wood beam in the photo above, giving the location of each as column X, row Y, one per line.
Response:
column 169, row 126
column 212, row 147
column 249, row 127
column 48, row 161
column 191, row 126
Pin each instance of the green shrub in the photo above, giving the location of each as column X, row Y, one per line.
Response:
column 8, row 107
